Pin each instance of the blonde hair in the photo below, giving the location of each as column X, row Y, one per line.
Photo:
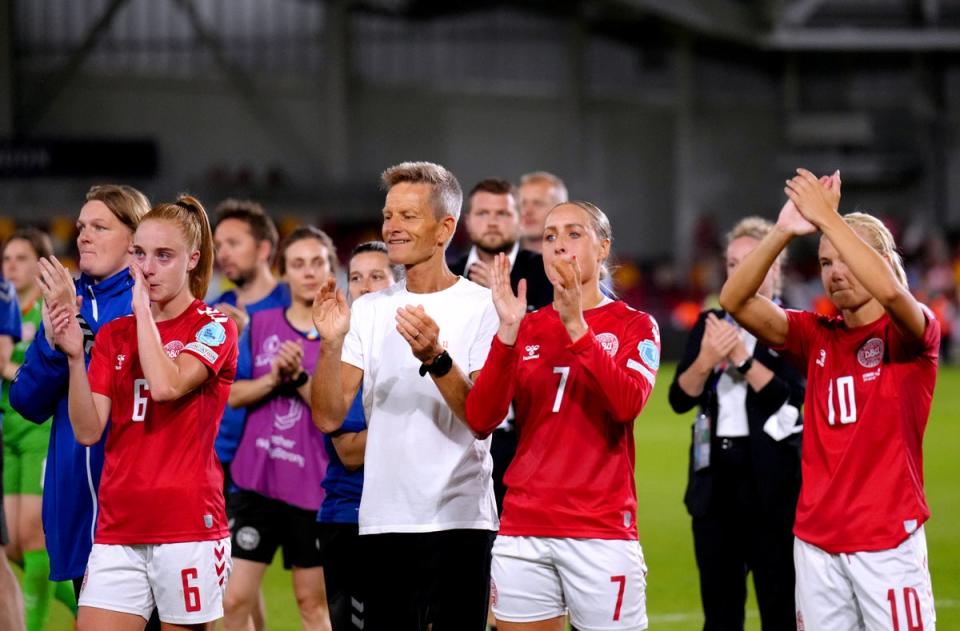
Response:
column 559, row 188
column 446, row 196
column 878, row 237
column 599, row 223
column 188, row 213
column 126, row 203
column 758, row 228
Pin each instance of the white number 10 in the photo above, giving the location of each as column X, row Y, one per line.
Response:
column 847, row 400
column 564, row 372
column 140, row 400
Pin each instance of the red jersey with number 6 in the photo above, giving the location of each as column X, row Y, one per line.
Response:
column 573, row 474
column 161, row 481
column 869, row 390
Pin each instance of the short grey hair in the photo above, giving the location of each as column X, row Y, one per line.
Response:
column 560, row 194
column 446, row 196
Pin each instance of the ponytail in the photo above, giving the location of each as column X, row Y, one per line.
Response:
column 188, row 213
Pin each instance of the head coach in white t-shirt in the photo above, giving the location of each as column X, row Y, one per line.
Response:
column 427, row 513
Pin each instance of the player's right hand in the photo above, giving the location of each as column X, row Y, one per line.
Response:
column 511, row 308
column 331, row 315
column 66, row 331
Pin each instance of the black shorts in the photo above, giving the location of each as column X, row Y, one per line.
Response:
column 261, row 525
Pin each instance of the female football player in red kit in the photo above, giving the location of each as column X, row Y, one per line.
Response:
column 860, row 550
column 162, row 377
column 578, row 372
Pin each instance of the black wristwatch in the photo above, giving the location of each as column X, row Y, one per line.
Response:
column 300, row 379
column 745, row 366
column 440, row 365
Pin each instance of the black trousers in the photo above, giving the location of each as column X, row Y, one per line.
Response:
column 440, row 579
column 737, row 536
column 344, row 575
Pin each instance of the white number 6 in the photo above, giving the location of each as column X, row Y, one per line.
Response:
column 140, row 399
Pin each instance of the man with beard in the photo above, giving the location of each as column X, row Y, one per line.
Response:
column 493, row 224
column 244, row 238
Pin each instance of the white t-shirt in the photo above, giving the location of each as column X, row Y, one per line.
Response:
column 424, row 470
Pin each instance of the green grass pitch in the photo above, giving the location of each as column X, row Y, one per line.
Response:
column 672, row 595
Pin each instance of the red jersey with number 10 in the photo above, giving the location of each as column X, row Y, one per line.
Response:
column 869, row 390
column 161, row 481
column 573, row 474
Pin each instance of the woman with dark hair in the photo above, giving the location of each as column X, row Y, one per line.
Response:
column 744, row 473
column 161, row 378
column 281, row 461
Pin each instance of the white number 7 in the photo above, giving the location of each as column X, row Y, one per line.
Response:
column 564, row 372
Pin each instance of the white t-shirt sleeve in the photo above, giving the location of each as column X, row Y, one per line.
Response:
column 352, row 352
column 480, row 348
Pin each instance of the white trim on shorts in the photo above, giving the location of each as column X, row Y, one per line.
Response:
column 865, row 590
column 185, row 582
column 601, row 582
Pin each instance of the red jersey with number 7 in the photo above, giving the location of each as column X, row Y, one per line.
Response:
column 161, row 482
column 869, row 391
column 575, row 404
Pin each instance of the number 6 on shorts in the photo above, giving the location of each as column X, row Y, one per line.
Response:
column 191, row 593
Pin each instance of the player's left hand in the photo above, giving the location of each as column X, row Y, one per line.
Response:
column 817, row 199
column 140, row 298
column 564, row 275
column 420, row 331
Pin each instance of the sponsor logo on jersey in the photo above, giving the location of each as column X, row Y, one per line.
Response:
column 532, row 350
column 203, row 351
column 268, row 350
column 173, row 348
column 248, row 538
column 212, row 334
column 649, row 353
column 871, row 353
column 822, row 359
column 609, row 342
column 120, row 359
column 286, row 420
column 208, row 521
